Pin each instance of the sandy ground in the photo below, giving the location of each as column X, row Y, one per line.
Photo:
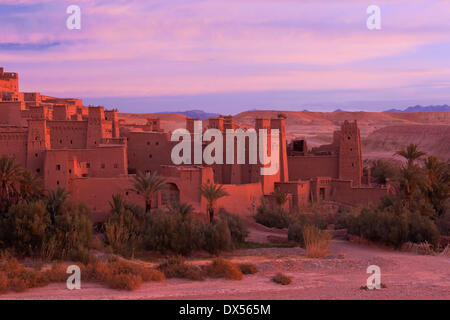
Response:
column 406, row 275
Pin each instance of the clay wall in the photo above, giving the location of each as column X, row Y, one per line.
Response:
column 308, row 167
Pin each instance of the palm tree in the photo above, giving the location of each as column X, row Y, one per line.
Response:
column 182, row 208
column 55, row 201
column 411, row 178
column 117, row 204
column 437, row 187
column 147, row 186
column 212, row 192
column 31, row 186
column 10, row 174
column 411, row 153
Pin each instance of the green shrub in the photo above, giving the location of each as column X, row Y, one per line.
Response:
column 392, row 224
column 218, row 238
column 422, row 229
column 272, row 216
column 236, row 226
column 443, row 224
column 300, row 221
column 72, row 232
column 171, row 232
column 123, row 231
column 26, row 227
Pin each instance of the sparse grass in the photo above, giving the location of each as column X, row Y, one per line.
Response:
column 317, row 242
column 176, row 267
column 248, row 268
column 282, row 279
column 221, row 268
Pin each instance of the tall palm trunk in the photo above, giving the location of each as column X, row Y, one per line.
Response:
column 211, row 214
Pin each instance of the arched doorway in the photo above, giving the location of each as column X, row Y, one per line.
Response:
column 170, row 194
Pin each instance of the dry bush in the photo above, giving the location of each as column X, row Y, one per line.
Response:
column 221, row 268
column 281, row 279
column 124, row 281
column 15, row 277
column 446, row 251
column 317, row 242
column 123, row 275
column 248, row 268
column 57, row 273
column 176, row 267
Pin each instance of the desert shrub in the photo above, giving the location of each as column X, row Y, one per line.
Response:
column 238, row 231
column 170, row 232
column 388, row 226
column 443, row 224
column 281, row 279
column 71, row 236
column 123, row 230
column 391, row 223
column 57, row 273
column 15, row 277
column 248, row 268
column 221, row 268
column 272, row 216
column 175, row 267
column 218, row 238
column 26, row 227
column 124, row 281
column 123, row 275
column 422, row 229
column 383, row 171
column 300, row 221
column 317, row 242
column 295, row 232
column 181, row 234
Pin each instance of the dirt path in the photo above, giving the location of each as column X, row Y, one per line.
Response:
column 406, row 275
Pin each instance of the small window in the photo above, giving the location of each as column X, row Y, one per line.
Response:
column 348, row 137
column 148, row 143
column 58, row 167
column 103, row 166
column 57, row 182
column 150, row 156
column 38, row 170
column 36, row 155
column 60, row 140
column 157, row 143
column 71, row 141
column 70, row 171
column 116, row 165
column 88, row 165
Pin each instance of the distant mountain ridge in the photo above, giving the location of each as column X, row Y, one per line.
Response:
column 418, row 108
column 200, row 114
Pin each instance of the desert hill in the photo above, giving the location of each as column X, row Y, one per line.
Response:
column 382, row 133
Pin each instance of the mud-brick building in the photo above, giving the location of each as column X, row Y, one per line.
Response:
column 88, row 151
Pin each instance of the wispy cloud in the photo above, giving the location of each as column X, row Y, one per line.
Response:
column 196, row 46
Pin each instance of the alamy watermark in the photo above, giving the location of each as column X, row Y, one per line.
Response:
column 235, row 141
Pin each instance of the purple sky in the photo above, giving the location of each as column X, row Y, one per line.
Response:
column 232, row 54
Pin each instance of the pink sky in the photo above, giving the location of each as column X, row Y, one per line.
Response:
column 186, row 47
